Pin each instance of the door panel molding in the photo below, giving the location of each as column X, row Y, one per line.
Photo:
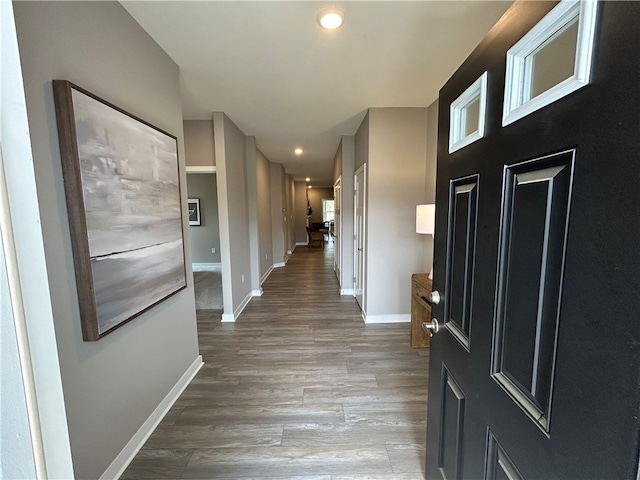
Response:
column 533, row 235
column 461, row 250
column 451, row 438
column 498, row 464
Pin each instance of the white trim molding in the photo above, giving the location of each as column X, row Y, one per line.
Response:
column 201, row 169
column 389, row 318
column 257, row 293
column 346, row 291
column 517, row 101
column 459, row 114
column 122, row 461
column 206, row 267
column 226, row 317
column 279, row 264
column 266, row 275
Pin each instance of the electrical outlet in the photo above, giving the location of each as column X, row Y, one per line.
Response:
column 242, row 278
column 213, row 250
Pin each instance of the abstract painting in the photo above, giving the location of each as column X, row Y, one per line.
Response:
column 122, row 188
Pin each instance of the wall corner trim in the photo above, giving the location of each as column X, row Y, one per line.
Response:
column 122, row 461
column 390, row 318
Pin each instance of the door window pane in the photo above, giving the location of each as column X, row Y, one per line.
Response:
column 554, row 61
column 467, row 114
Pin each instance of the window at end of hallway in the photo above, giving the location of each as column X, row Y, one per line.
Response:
column 328, row 212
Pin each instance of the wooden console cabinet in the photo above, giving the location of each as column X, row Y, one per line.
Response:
column 420, row 310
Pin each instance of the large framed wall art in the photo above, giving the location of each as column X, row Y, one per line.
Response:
column 122, row 187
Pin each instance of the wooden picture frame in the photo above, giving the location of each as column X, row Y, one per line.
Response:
column 195, row 220
column 122, row 187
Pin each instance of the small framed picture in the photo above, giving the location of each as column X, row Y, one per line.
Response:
column 194, row 211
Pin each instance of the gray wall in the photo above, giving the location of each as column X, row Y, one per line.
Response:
column 395, row 185
column 290, row 213
column 113, row 385
column 362, row 143
column 430, row 179
column 230, row 144
column 300, row 212
column 263, row 171
column 198, row 143
column 344, row 168
column 277, row 213
column 207, row 235
column 252, row 210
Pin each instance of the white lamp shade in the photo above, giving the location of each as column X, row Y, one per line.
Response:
column 426, row 219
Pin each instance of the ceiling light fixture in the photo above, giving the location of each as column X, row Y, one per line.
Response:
column 298, row 151
column 307, row 179
column 330, row 18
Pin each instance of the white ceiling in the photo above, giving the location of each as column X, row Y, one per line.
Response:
column 280, row 77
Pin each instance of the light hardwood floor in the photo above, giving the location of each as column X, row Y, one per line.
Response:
column 298, row 388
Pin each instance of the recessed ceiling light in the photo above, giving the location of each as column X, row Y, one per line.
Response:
column 307, row 179
column 330, row 18
column 309, row 186
column 298, row 151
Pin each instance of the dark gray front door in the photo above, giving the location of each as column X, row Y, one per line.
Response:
column 537, row 255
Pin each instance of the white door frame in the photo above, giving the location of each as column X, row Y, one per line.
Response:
column 360, row 236
column 27, row 281
column 337, row 228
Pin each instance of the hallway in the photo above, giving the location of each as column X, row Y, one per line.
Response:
column 298, row 388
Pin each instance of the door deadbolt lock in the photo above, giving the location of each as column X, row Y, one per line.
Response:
column 434, row 297
column 431, row 327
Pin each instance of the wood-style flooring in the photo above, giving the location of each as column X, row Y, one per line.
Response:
column 297, row 388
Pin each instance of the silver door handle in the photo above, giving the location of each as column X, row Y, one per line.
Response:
column 434, row 298
column 431, row 327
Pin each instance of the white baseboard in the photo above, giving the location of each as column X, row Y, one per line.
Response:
column 122, row 461
column 391, row 318
column 206, row 267
column 289, row 252
column 266, row 275
column 226, row 317
column 257, row 293
column 302, row 243
column 279, row 265
column 346, row 291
